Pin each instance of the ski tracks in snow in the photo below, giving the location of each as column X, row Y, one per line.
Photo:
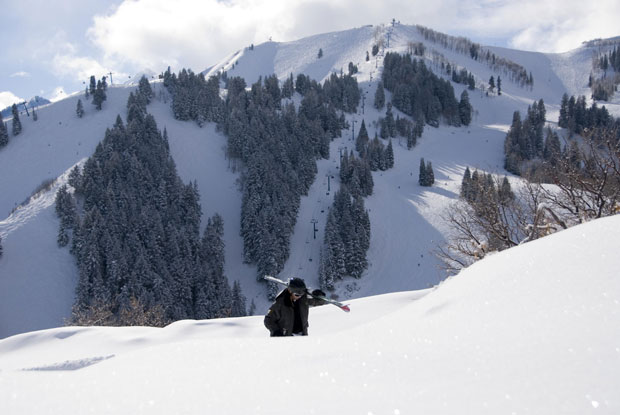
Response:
column 35, row 205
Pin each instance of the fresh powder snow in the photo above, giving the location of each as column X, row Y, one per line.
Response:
column 530, row 330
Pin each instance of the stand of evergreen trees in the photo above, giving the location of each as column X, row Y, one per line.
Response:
column 276, row 145
column 576, row 117
column 516, row 72
column 135, row 230
column 418, row 92
column 347, row 239
column 426, row 177
column 604, row 88
column 193, row 97
column 479, row 189
column 525, row 139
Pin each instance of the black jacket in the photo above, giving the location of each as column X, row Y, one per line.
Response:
column 280, row 319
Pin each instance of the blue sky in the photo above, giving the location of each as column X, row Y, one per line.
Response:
column 49, row 48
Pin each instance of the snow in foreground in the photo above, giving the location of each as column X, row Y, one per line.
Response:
column 530, row 330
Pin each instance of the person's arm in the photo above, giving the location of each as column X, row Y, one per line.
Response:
column 314, row 301
column 272, row 318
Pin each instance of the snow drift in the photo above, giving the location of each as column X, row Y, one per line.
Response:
column 529, row 330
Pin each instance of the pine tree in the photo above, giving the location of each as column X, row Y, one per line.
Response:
column 465, row 108
column 379, row 96
column 93, row 85
column 466, row 185
column 320, row 53
column 144, row 90
column 491, row 83
column 563, row 119
column 17, row 124
column 238, row 301
column 423, row 176
column 99, row 96
column 505, row 193
column 389, row 155
column 499, row 85
column 430, row 174
column 4, row 134
column 80, row 109
column 362, row 139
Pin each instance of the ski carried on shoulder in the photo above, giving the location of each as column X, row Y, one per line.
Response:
column 343, row 307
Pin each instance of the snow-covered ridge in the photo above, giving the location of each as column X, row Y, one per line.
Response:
column 528, row 330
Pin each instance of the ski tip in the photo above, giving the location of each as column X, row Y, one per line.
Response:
column 346, row 308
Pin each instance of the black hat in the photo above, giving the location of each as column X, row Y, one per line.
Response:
column 297, row 285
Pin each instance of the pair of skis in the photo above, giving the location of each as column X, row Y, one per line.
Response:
column 343, row 307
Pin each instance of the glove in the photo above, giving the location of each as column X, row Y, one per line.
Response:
column 318, row 293
column 277, row 333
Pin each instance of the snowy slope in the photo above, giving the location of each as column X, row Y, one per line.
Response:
column 531, row 330
column 37, row 279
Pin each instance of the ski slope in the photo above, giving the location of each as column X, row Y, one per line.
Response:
column 531, row 330
column 37, row 279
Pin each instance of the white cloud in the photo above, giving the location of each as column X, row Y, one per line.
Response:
column 80, row 67
column 198, row 33
column 20, row 74
column 57, row 94
column 545, row 26
column 7, row 98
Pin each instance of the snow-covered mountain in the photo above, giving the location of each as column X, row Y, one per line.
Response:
column 531, row 330
column 37, row 278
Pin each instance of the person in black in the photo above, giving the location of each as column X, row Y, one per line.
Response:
column 288, row 315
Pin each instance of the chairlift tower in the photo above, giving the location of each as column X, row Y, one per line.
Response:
column 314, row 222
column 25, row 104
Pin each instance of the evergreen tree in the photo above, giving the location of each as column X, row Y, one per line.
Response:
column 499, row 85
column 389, row 155
column 238, row 301
column 423, row 176
column 4, row 134
column 99, row 96
column 563, row 119
column 465, row 108
column 67, row 212
column 320, row 53
column 430, row 174
column 93, row 85
column 379, row 96
column 427, row 175
column 466, row 185
column 505, row 193
column 362, row 139
column 288, row 87
column 1, row 249
column 17, row 124
column 144, row 90
column 388, row 125
column 491, row 83
column 79, row 109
